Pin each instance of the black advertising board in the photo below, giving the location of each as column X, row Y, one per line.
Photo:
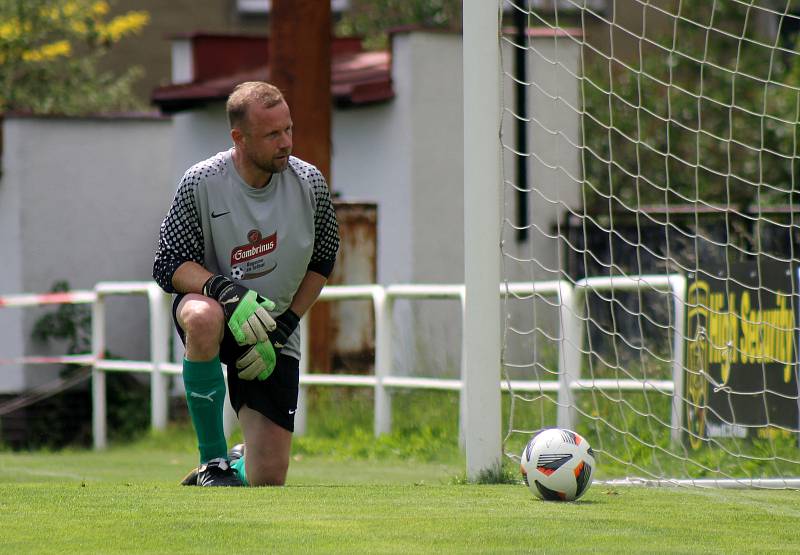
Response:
column 741, row 352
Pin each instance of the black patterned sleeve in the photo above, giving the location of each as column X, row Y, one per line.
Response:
column 326, row 228
column 181, row 236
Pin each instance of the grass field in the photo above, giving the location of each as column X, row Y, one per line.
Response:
column 127, row 499
column 348, row 492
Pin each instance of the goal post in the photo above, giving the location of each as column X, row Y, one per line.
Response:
column 645, row 156
column 482, row 176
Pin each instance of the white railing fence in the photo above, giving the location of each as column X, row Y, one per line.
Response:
column 570, row 299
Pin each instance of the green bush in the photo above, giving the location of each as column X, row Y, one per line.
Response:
column 701, row 117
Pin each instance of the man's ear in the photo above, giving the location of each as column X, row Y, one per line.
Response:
column 237, row 136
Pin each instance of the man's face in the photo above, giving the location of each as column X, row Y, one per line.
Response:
column 267, row 137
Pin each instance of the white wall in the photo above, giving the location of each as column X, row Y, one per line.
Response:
column 198, row 135
column 12, row 377
column 434, row 86
column 92, row 194
column 371, row 162
column 438, row 154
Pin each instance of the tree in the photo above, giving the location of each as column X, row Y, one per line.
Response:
column 373, row 18
column 49, row 54
column 706, row 115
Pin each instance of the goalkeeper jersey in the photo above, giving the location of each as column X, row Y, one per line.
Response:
column 266, row 238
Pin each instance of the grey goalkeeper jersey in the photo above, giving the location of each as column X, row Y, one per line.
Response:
column 264, row 238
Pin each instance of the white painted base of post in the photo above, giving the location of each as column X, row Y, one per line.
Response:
column 383, row 361
column 301, row 416
column 99, row 433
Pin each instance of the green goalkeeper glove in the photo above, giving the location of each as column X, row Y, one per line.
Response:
column 245, row 310
column 257, row 362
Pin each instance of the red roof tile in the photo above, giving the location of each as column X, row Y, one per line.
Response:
column 221, row 62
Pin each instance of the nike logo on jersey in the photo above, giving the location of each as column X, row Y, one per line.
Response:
column 292, row 411
column 218, row 214
column 208, row 396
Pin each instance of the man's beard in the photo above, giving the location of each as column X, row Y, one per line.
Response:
column 272, row 166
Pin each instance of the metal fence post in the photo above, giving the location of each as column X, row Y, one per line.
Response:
column 570, row 360
column 382, row 305
column 677, row 284
column 159, row 349
column 98, row 376
column 462, row 393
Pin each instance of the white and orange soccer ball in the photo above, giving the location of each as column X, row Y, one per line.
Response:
column 557, row 465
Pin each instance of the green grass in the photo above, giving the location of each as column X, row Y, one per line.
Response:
column 349, row 492
column 127, row 499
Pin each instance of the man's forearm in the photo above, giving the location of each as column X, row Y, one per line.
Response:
column 308, row 292
column 190, row 278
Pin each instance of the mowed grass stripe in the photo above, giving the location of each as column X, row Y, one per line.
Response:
column 123, row 510
column 132, row 466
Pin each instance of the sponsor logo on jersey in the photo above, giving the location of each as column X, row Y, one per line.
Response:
column 256, row 248
column 249, row 261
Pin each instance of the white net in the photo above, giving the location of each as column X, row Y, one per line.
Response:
column 650, row 173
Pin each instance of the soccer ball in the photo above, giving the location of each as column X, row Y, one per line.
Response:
column 237, row 272
column 557, row 465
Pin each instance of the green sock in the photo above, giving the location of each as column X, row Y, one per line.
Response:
column 205, row 395
column 238, row 466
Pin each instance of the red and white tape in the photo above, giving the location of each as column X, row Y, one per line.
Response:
column 33, row 299
column 65, row 359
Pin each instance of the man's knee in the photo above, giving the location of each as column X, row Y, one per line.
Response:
column 201, row 318
column 268, row 448
column 266, row 474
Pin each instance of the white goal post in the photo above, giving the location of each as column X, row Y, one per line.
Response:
column 482, row 158
column 626, row 144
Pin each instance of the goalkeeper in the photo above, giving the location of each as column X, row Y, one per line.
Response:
column 247, row 245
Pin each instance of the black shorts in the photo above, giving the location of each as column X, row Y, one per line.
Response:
column 275, row 397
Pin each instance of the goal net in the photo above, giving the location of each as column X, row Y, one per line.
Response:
column 650, row 167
